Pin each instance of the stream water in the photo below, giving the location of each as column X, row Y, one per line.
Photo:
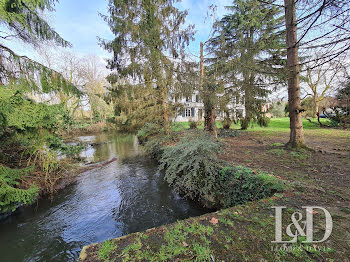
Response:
column 125, row 196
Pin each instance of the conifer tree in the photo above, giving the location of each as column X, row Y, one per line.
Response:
column 23, row 20
column 247, row 50
column 149, row 42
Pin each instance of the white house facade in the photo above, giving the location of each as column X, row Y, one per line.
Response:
column 193, row 110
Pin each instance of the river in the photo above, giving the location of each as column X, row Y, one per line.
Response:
column 125, row 196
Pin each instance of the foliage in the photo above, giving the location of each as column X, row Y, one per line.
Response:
column 134, row 106
column 263, row 121
column 149, row 40
column 147, row 131
column 55, row 142
column 342, row 111
column 226, row 124
column 25, row 18
column 241, row 184
column 25, row 21
column 28, row 131
column 278, row 109
column 156, row 145
column 228, row 133
column 307, row 105
column 245, row 123
column 248, row 43
column 191, row 165
column 193, row 125
column 10, row 196
column 193, row 169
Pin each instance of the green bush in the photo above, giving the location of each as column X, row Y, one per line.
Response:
column 10, row 196
column 226, row 124
column 154, row 147
column 193, row 125
column 191, row 165
column 193, row 169
column 147, row 131
column 241, row 184
column 228, row 133
column 245, row 123
column 56, row 143
column 263, row 121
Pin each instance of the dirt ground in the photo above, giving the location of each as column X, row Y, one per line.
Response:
column 325, row 168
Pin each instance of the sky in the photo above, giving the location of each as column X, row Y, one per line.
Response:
column 78, row 22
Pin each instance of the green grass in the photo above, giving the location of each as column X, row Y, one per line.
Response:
column 106, row 249
column 277, row 125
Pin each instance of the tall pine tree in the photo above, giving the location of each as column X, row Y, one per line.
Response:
column 247, row 49
column 149, row 42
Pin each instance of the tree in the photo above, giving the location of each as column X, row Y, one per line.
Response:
column 208, row 92
column 248, row 52
column 319, row 81
column 332, row 43
column 149, row 42
column 296, row 124
column 24, row 21
column 343, row 95
column 25, row 126
column 95, row 84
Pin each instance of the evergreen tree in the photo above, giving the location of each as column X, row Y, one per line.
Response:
column 24, row 21
column 25, row 124
column 149, row 42
column 247, row 50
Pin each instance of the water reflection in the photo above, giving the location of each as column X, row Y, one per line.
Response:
column 125, row 196
column 106, row 146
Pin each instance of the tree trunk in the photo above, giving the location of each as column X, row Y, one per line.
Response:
column 316, row 106
column 296, row 124
column 209, row 110
column 166, row 123
column 209, row 121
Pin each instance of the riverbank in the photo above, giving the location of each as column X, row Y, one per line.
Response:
column 319, row 177
column 69, row 169
column 125, row 196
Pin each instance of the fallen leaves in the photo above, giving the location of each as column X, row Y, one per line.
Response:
column 214, row 221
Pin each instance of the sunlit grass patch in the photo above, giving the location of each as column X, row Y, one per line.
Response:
column 105, row 250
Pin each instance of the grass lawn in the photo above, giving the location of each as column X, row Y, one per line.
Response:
column 276, row 125
column 318, row 177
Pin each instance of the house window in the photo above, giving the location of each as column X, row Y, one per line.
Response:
column 189, row 99
column 197, row 98
column 188, row 112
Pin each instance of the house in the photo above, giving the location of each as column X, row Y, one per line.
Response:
column 193, row 109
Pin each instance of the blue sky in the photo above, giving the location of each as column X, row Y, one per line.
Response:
column 78, row 22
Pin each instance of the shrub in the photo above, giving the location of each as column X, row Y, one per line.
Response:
column 154, row 147
column 147, row 131
column 54, row 142
column 228, row 133
column 240, row 184
column 245, row 123
column 10, row 196
column 278, row 109
column 226, row 124
column 193, row 125
column 193, row 169
column 191, row 166
column 263, row 121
